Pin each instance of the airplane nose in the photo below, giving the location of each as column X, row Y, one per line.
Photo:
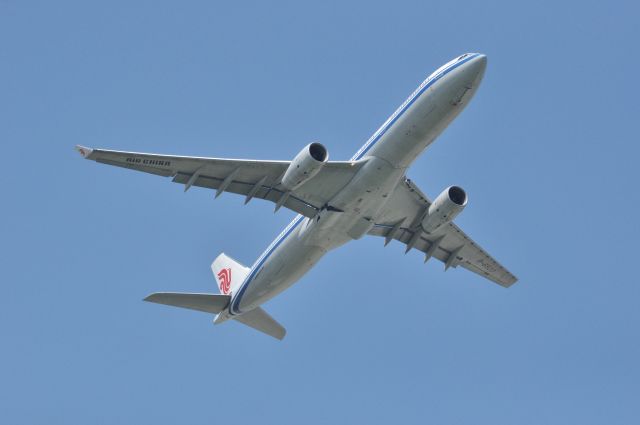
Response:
column 473, row 71
column 468, row 79
column 477, row 65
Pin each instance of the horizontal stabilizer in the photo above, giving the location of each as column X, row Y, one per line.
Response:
column 209, row 303
column 260, row 320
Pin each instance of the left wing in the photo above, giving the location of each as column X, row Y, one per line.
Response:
column 400, row 220
column 251, row 178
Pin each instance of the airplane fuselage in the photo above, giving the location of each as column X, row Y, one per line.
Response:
column 353, row 211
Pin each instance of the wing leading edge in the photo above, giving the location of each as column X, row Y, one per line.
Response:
column 400, row 220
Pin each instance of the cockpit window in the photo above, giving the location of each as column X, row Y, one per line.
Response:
column 463, row 56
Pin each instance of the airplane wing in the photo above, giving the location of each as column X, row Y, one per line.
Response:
column 400, row 220
column 251, row 178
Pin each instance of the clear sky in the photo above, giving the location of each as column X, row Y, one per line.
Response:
column 547, row 152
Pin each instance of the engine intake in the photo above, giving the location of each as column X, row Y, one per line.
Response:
column 305, row 165
column 444, row 209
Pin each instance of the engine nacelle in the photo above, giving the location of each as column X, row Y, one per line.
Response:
column 445, row 208
column 305, row 165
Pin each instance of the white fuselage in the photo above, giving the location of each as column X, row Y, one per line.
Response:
column 386, row 157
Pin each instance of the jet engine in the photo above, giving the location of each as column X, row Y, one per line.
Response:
column 305, row 165
column 445, row 208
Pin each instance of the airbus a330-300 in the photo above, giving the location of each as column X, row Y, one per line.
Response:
column 336, row 201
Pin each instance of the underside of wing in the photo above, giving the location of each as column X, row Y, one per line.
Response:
column 400, row 220
column 250, row 178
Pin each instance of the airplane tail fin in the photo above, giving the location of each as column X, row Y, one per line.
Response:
column 229, row 273
column 261, row 321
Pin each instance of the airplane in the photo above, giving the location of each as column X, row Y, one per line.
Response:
column 336, row 201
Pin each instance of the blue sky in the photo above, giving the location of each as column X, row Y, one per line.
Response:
column 547, row 151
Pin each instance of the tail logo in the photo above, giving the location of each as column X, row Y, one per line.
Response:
column 224, row 278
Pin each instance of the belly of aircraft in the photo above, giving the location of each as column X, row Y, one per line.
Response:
column 287, row 264
column 353, row 210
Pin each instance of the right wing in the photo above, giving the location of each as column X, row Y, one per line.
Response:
column 252, row 178
column 400, row 220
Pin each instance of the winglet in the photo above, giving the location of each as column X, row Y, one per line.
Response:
column 84, row 151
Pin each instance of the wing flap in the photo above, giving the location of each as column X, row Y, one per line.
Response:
column 265, row 192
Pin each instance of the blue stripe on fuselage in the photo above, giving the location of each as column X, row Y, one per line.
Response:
column 235, row 302
column 407, row 103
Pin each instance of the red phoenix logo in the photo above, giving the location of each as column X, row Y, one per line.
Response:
column 224, row 276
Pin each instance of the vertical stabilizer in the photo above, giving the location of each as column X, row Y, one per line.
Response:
column 228, row 273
